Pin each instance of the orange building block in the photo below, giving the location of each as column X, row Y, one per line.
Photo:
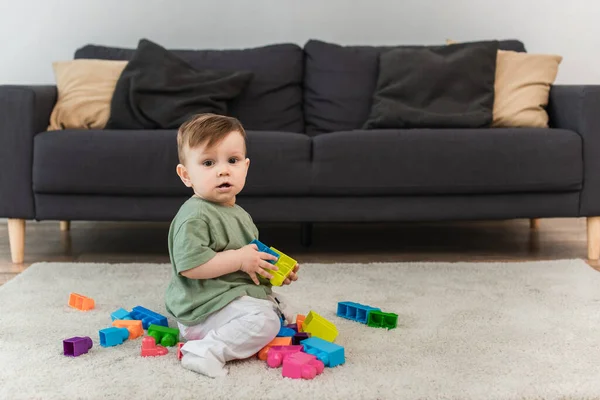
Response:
column 133, row 326
column 278, row 341
column 81, row 302
column 299, row 321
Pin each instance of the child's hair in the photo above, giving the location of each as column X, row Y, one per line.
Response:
column 205, row 128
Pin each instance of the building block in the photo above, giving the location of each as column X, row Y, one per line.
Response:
column 300, row 321
column 278, row 341
column 164, row 336
column 278, row 353
column 133, row 326
column 151, row 349
column 378, row 319
column 113, row 336
column 293, row 326
column 148, row 317
column 299, row 337
column 77, row 346
column 354, row 311
column 330, row 354
column 285, row 332
column 179, row 353
column 120, row 314
column 81, row 302
column 265, row 249
column 285, row 264
column 318, row 326
column 301, row 365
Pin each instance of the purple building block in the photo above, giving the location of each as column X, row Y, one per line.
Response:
column 77, row 346
column 300, row 336
column 292, row 326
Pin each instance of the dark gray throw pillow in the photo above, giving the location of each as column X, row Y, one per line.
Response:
column 435, row 87
column 159, row 90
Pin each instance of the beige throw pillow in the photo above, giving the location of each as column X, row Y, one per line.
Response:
column 85, row 89
column 522, row 88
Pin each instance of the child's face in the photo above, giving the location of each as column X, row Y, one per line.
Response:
column 216, row 174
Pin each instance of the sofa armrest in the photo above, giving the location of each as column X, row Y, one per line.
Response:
column 24, row 112
column 577, row 108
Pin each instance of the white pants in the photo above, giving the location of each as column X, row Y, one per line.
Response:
column 237, row 331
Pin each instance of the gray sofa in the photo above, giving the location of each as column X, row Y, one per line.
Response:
column 311, row 162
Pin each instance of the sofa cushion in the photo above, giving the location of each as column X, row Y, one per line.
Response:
column 272, row 100
column 143, row 163
column 435, row 87
column 450, row 161
column 159, row 90
column 340, row 81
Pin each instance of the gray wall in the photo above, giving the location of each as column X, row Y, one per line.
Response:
column 35, row 33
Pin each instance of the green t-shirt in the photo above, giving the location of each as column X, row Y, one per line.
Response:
column 200, row 230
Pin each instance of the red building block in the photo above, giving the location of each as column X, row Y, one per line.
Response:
column 151, row 349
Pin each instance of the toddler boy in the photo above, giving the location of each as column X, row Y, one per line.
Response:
column 222, row 309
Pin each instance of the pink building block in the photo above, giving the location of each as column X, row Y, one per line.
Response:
column 301, row 365
column 151, row 349
column 277, row 354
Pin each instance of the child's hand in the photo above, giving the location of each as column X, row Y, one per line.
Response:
column 293, row 276
column 253, row 262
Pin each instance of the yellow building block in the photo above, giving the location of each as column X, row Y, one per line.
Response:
column 320, row 327
column 285, row 264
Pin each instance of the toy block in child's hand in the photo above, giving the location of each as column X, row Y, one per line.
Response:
column 76, row 346
column 354, row 311
column 265, row 249
column 378, row 319
column 151, row 349
column 81, row 302
column 113, row 336
column 278, row 353
column 164, row 336
column 148, row 317
column 319, row 327
column 278, row 341
column 133, row 326
column 301, row 365
column 285, row 265
column 121, row 314
column 330, row 354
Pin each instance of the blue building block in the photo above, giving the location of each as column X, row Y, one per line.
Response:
column 121, row 314
column 329, row 353
column 113, row 336
column 265, row 249
column 354, row 311
column 286, row 332
column 148, row 317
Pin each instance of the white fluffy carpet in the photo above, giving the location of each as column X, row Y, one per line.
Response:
column 466, row 330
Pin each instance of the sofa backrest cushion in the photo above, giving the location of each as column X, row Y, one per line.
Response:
column 273, row 99
column 339, row 83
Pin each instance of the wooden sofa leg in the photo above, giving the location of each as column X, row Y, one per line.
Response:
column 65, row 226
column 593, row 237
column 16, row 237
column 534, row 223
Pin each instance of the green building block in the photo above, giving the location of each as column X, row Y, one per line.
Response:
column 164, row 336
column 379, row 319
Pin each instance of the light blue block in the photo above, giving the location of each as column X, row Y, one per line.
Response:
column 121, row 313
column 330, row 354
column 354, row 311
column 113, row 336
